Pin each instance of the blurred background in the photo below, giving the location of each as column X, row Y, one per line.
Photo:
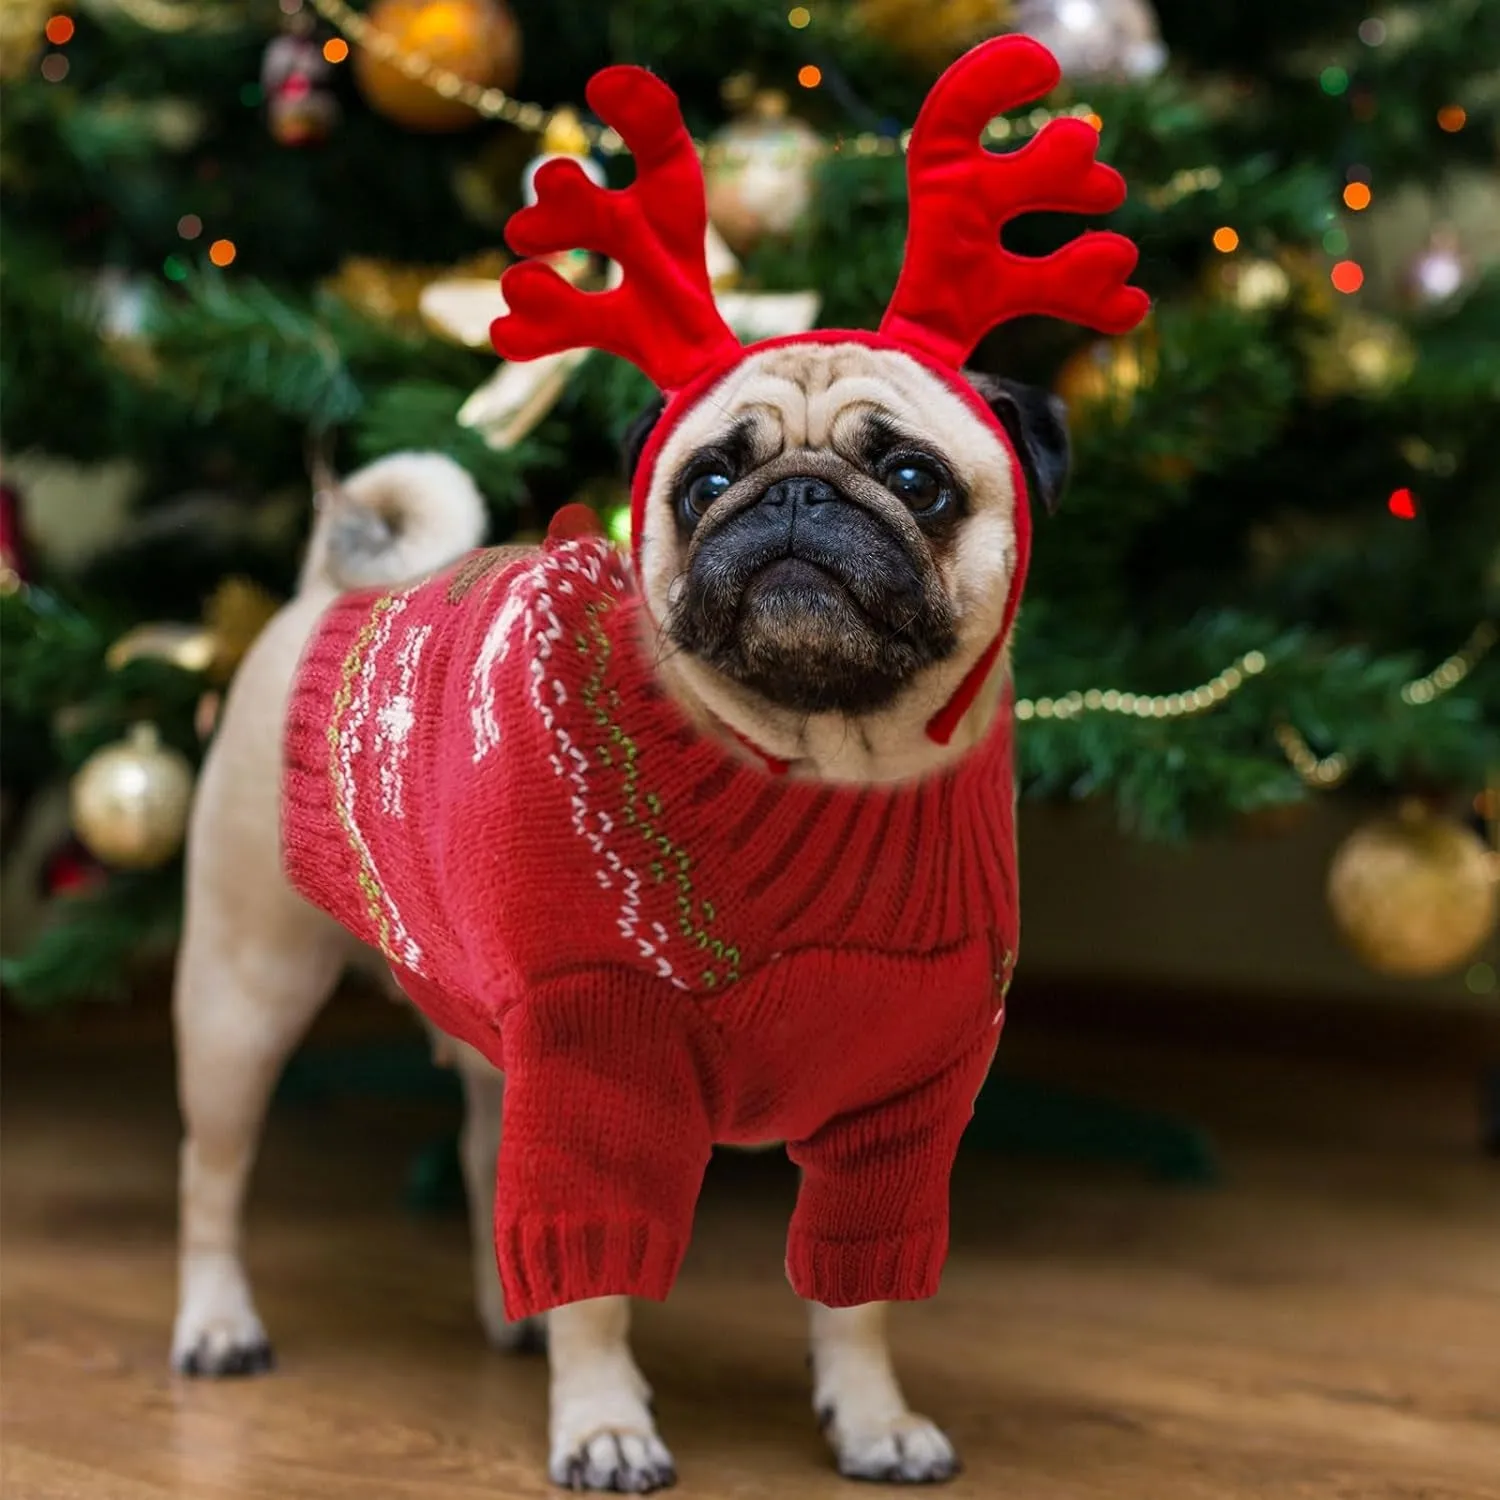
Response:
column 243, row 238
column 1259, row 665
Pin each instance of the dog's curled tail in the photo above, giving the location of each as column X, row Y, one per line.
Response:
column 394, row 520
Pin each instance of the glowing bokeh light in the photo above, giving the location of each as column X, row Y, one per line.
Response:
column 1347, row 276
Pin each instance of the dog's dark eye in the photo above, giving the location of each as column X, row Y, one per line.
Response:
column 916, row 485
column 704, row 490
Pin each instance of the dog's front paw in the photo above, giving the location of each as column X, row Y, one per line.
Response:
column 236, row 1346
column 904, row 1449
column 218, row 1331
column 623, row 1461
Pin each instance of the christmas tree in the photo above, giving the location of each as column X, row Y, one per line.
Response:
column 246, row 242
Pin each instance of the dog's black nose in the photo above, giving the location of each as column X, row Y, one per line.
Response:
column 800, row 492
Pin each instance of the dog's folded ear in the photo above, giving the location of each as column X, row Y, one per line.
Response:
column 638, row 434
column 1036, row 423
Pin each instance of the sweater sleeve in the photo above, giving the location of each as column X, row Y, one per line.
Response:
column 871, row 1221
column 607, row 1135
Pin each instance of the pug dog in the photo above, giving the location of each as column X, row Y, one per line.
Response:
column 829, row 538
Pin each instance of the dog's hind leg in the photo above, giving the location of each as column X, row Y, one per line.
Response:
column 246, row 992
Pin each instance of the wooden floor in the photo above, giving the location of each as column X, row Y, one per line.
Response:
column 1327, row 1324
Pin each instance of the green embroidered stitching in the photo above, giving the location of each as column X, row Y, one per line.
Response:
column 640, row 809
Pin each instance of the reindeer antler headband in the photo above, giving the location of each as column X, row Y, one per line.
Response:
column 957, row 281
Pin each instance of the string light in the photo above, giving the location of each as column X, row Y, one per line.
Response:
column 190, row 226
column 496, row 104
column 1144, row 705
column 1372, row 31
column 1097, row 121
column 809, row 75
column 1452, row 118
column 1335, row 241
column 798, row 17
column 1333, row 80
column 1322, row 773
column 1226, row 239
column 222, row 252
column 1449, row 673
column 1402, row 504
column 335, row 49
column 1347, row 276
column 54, row 67
column 1183, row 184
column 174, row 269
column 1357, row 196
column 59, row 30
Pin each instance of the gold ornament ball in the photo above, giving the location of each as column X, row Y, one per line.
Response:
column 1413, row 895
column 476, row 39
column 758, row 174
column 129, row 801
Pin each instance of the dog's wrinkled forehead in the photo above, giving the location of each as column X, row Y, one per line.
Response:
column 823, row 397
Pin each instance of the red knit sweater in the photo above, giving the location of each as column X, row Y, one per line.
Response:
column 663, row 945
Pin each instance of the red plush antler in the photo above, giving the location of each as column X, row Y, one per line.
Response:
column 662, row 318
column 957, row 281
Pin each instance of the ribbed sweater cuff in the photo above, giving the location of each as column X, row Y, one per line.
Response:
column 314, row 848
column 549, row 1260
column 848, row 1273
